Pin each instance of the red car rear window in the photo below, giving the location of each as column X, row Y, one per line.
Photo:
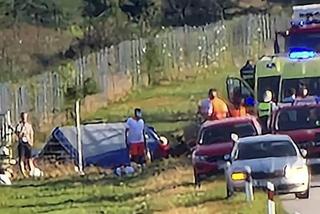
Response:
column 222, row 133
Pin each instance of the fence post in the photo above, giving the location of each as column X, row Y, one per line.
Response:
column 249, row 186
column 78, row 125
column 271, row 204
column 9, row 133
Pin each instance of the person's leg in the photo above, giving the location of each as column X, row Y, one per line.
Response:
column 142, row 154
column 29, row 157
column 21, row 153
column 134, row 153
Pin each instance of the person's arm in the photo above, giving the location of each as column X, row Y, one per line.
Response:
column 210, row 111
column 31, row 136
column 18, row 131
column 126, row 132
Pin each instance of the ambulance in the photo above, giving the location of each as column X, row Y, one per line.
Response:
column 295, row 62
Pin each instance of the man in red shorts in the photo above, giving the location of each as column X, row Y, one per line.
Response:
column 135, row 137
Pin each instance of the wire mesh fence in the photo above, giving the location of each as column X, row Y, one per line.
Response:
column 179, row 48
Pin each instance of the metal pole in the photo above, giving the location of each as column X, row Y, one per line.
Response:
column 80, row 164
column 9, row 133
column 249, row 186
column 271, row 204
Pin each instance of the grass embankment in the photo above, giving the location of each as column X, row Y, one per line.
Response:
column 170, row 192
column 168, row 108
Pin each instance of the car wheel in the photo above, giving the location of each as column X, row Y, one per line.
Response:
column 303, row 195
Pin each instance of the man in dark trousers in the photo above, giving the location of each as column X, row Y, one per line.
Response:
column 247, row 72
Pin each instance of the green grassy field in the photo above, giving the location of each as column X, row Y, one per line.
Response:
column 168, row 108
column 171, row 191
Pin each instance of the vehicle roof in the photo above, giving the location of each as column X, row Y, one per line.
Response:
column 227, row 121
column 268, row 137
column 298, row 107
column 288, row 68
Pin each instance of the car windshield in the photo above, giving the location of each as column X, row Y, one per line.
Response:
column 298, row 118
column 312, row 84
column 265, row 149
column 222, row 133
column 305, row 40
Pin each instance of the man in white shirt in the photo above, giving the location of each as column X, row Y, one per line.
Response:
column 205, row 108
column 24, row 132
column 135, row 137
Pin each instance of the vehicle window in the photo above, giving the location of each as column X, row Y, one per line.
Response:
column 268, row 83
column 299, row 118
column 265, row 149
column 222, row 133
column 310, row 41
column 312, row 84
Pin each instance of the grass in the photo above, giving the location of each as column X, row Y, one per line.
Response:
column 171, row 191
column 168, row 108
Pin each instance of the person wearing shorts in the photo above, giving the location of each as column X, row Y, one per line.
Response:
column 135, row 137
column 24, row 132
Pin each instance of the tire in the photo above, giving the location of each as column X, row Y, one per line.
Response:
column 303, row 195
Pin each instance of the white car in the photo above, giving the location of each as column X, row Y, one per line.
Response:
column 273, row 158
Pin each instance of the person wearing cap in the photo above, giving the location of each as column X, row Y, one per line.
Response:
column 136, row 137
column 220, row 109
column 265, row 109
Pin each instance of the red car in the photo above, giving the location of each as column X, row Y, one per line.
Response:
column 302, row 124
column 214, row 142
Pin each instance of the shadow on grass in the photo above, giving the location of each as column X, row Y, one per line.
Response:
column 203, row 201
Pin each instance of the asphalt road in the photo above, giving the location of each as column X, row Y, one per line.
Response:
column 306, row 206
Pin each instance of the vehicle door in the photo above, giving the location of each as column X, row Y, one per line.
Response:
column 239, row 88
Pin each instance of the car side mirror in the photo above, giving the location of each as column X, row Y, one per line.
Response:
column 227, row 157
column 304, row 152
column 234, row 137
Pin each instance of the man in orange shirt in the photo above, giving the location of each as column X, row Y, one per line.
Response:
column 220, row 108
column 238, row 110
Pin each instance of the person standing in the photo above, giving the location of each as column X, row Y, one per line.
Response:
column 247, row 72
column 239, row 109
column 265, row 110
column 205, row 106
column 25, row 135
column 220, row 108
column 135, row 137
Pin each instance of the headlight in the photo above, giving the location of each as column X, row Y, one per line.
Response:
column 239, row 176
column 291, row 172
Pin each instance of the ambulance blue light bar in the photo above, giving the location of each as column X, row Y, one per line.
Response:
column 302, row 54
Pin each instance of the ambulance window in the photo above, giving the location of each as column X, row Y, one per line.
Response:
column 268, row 83
column 312, row 84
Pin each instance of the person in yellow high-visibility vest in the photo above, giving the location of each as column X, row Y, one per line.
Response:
column 265, row 110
